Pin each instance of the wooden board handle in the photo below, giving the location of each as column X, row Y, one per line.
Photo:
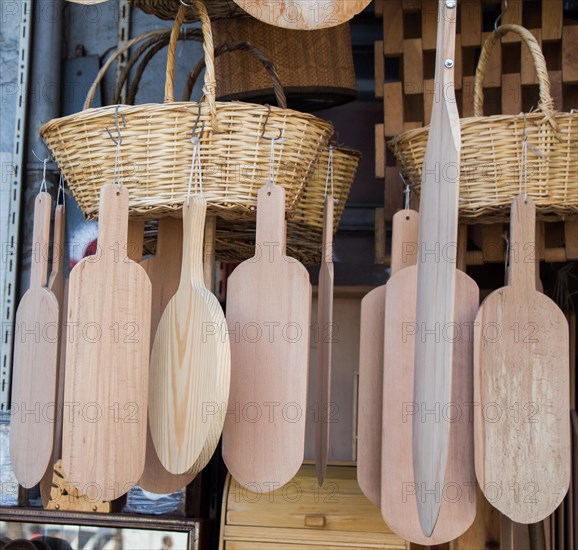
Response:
column 270, row 235
column 58, row 241
column 404, row 239
column 113, row 220
column 522, row 269
column 40, row 240
column 328, row 229
column 194, row 215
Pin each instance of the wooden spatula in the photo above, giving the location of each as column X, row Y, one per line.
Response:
column 521, row 382
column 371, row 353
column 268, row 308
column 190, row 359
column 35, row 371
column 399, row 489
column 436, row 281
column 324, row 342
column 107, row 356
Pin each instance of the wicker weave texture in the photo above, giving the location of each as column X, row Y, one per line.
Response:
column 492, row 166
column 168, row 9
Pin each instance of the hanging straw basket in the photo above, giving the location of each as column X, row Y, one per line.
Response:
column 492, row 166
column 156, row 147
column 168, row 9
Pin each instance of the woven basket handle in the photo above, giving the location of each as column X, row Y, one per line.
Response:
column 209, row 88
column 255, row 52
column 546, row 102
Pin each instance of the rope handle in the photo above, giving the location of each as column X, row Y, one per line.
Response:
column 257, row 54
column 546, row 103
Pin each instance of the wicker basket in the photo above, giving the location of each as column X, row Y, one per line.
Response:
column 316, row 67
column 157, row 149
column 492, row 160
column 167, row 9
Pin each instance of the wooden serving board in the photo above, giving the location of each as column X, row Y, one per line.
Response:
column 521, row 343
column 371, row 359
column 436, row 280
column 107, row 357
column 268, row 310
column 35, row 371
column 305, row 14
column 324, row 343
column 190, row 358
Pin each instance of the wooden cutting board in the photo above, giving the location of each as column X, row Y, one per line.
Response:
column 305, row 14
column 436, row 281
column 107, row 357
column 521, row 381
column 399, row 491
column 190, row 358
column 371, row 356
column 324, row 343
column 268, row 311
column 35, row 369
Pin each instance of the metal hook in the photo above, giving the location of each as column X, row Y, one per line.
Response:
column 118, row 140
column 197, row 121
column 186, row 4
column 406, row 191
column 263, row 136
column 60, row 191
column 502, row 13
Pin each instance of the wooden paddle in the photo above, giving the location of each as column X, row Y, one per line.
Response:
column 521, row 383
column 107, row 357
column 268, row 311
column 324, row 342
column 436, row 281
column 371, row 357
column 305, row 14
column 35, row 371
column 56, row 283
column 399, row 489
column 190, row 358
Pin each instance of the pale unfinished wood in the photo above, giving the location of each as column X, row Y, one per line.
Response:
column 511, row 94
column 527, row 67
column 393, row 199
column 371, row 360
column 471, row 22
column 305, row 14
column 436, row 278
column 379, row 150
column 35, row 372
column 378, row 68
column 522, row 374
column 268, row 305
column 412, row 66
column 107, row 359
column 552, row 20
column 324, row 342
column 190, row 358
column 393, row 108
column 392, row 28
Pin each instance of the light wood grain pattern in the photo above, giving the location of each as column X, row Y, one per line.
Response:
column 190, row 358
column 400, row 491
column 107, row 358
column 324, row 342
column 521, row 381
column 371, row 359
column 393, row 108
column 268, row 307
column 412, row 66
column 56, row 283
column 305, row 14
column 569, row 47
column 471, row 22
column 552, row 19
column 436, row 277
column 392, row 28
column 35, row 369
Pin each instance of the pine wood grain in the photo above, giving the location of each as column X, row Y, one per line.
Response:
column 268, row 307
column 521, row 381
column 107, row 357
column 35, row 370
column 190, row 358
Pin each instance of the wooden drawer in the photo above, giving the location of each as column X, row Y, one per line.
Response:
column 303, row 515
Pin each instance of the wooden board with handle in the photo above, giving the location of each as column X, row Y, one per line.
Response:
column 324, row 343
column 107, row 358
column 399, row 489
column 305, row 14
column 371, row 359
column 521, row 380
column 268, row 308
column 190, row 358
column 436, row 281
column 35, row 371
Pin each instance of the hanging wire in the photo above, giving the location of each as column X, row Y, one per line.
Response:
column 329, row 173
column 45, row 161
column 406, row 191
column 196, row 141
column 279, row 139
column 61, row 192
column 524, row 171
column 117, row 175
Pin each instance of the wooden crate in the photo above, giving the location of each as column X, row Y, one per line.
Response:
column 302, row 515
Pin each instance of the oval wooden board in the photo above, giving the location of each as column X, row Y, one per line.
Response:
column 399, row 493
column 304, row 14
